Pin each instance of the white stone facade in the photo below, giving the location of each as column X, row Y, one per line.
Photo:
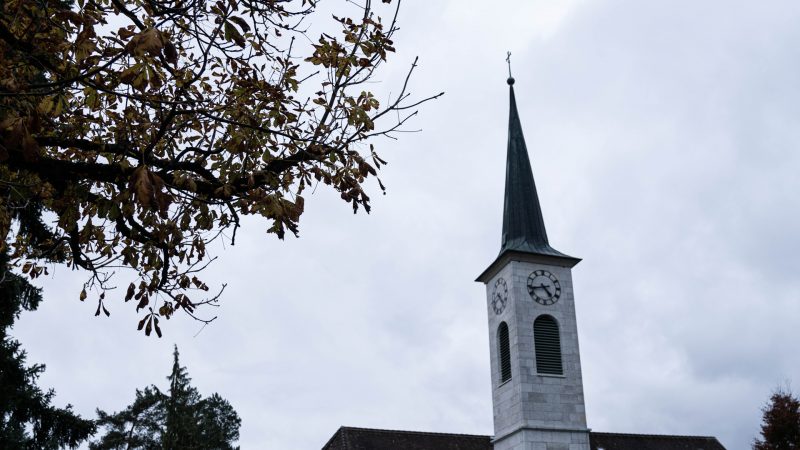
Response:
column 529, row 439
column 533, row 411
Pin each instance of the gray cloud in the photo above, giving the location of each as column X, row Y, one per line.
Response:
column 663, row 137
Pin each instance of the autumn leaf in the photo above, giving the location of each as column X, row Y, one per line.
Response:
column 46, row 105
column 149, row 41
column 171, row 53
column 231, row 33
column 141, row 186
column 241, row 22
column 15, row 135
column 128, row 75
column 142, row 303
column 129, row 294
column 126, row 32
column 155, row 325
column 73, row 17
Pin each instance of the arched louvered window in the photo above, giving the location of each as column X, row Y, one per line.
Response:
column 548, row 346
column 504, row 350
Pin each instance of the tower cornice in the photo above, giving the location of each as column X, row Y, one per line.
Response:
column 510, row 255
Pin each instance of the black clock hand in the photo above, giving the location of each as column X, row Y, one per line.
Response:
column 543, row 286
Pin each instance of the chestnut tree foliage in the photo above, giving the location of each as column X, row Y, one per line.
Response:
column 142, row 130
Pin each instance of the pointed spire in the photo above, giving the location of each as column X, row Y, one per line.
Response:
column 524, row 237
column 523, row 225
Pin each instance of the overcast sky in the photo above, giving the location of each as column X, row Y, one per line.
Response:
column 663, row 137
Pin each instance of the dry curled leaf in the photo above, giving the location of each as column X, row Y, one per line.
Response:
column 149, row 41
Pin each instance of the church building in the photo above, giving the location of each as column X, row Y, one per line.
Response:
column 537, row 388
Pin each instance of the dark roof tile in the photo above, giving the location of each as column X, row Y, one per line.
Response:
column 349, row 438
column 618, row 441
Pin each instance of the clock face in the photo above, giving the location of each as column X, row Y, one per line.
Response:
column 544, row 287
column 499, row 296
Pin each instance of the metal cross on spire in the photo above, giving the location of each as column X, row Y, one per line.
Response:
column 523, row 224
column 508, row 60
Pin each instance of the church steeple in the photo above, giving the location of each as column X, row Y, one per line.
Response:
column 537, row 387
column 523, row 225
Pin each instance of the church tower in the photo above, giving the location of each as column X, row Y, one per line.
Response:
column 537, row 390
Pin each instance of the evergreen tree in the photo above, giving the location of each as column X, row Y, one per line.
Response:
column 780, row 428
column 219, row 422
column 180, row 419
column 137, row 426
column 27, row 419
column 181, row 426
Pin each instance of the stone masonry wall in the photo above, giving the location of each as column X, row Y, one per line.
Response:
column 530, row 401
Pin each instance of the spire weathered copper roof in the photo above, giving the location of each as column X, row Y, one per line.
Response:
column 523, row 225
column 524, row 237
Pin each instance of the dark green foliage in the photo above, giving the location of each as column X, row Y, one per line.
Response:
column 780, row 429
column 180, row 419
column 27, row 419
column 137, row 426
column 220, row 423
column 181, row 407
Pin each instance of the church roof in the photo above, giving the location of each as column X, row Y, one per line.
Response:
column 348, row 438
column 618, row 441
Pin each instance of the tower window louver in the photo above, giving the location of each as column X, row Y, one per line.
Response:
column 548, row 346
column 504, row 350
